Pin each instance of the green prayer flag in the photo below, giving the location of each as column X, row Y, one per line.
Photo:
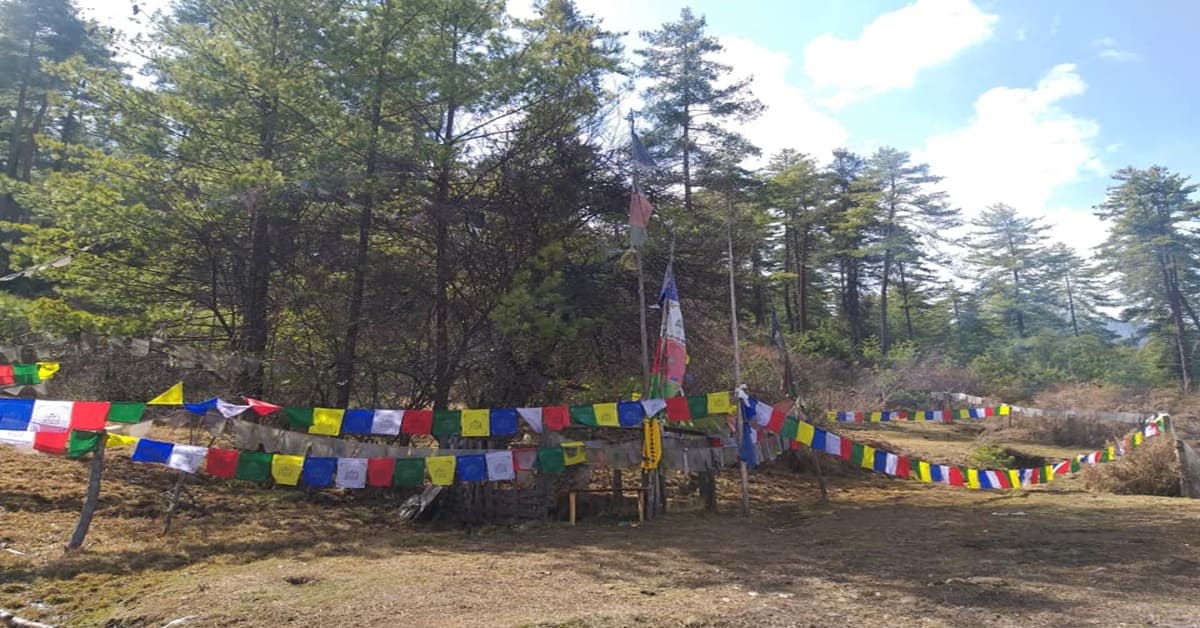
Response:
column 447, row 422
column 584, row 415
column 1074, row 465
column 409, row 472
column 698, row 406
column 126, row 411
column 551, row 459
column 253, row 466
column 791, row 428
column 1043, row 475
column 856, row 455
column 26, row 374
column 81, row 442
column 299, row 418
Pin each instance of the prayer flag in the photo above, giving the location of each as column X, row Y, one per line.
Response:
column 1005, row 410
column 441, row 469
column 500, row 466
column 670, row 359
column 126, row 411
column 790, row 429
column 778, row 416
column 532, row 417
column 573, row 453
column 652, row 407
column 890, row 462
column 203, row 407
column 475, row 423
column 697, row 406
column 525, row 458
column 502, row 421
column 262, row 408
column 856, row 454
column 805, row 434
column 318, row 472
column 26, row 374
column 326, row 421
column 556, row 418
column 747, row 452
column 46, row 370
column 358, row 421
column 253, row 466
column 172, row 396
column 551, row 459
column 973, row 478
column 848, row 446
column 641, row 157
column 151, row 451
column 1014, row 478
column 924, row 472
column 186, row 458
column 640, row 210
column 471, row 467
column 286, row 469
column 410, row 472
column 15, row 413
column 387, row 422
column 89, row 415
column 120, row 440
column 583, row 415
column 6, row 375
column 51, row 442
column 351, row 473
column 230, row 410
column 221, row 463
column 447, row 422
column 818, row 441
column 51, row 416
column 299, row 418
column 833, row 444
column 903, row 467
column 630, row 413
column 718, row 403
column 417, row 422
column 19, row 438
column 678, row 410
column 81, row 442
column 606, row 414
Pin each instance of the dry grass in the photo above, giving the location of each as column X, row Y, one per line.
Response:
column 1151, row 469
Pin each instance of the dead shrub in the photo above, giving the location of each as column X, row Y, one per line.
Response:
column 1151, row 469
column 1070, row 432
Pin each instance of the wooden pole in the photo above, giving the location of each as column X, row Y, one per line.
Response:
column 93, row 495
column 637, row 255
column 737, row 358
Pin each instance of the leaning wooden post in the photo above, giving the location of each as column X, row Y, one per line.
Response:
column 93, row 495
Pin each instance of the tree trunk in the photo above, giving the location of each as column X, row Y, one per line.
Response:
column 802, row 278
column 441, row 242
column 8, row 204
column 885, row 342
column 1071, row 307
column 904, row 304
column 1171, row 290
column 687, row 160
column 344, row 379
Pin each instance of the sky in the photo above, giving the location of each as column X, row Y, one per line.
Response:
column 1025, row 102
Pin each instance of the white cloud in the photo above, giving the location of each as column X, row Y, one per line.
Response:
column 1080, row 229
column 1108, row 49
column 893, row 48
column 790, row 120
column 1018, row 148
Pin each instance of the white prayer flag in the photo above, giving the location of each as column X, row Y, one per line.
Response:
column 51, row 416
column 387, row 422
column 187, row 457
column 351, row 473
column 532, row 416
column 500, row 466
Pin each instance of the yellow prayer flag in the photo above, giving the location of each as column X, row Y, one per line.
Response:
column 831, row 415
column 1112, row 453
column 876, row 417
column 46, row 370
column 327, row 421
column 606, row 414
column 173, row 396
column 1049, row 472
column 868, row 459
column 718, row 403
column 441, row 469
column 972, row 478
column 1138, row 438
column 573, row 453
column 805, row 435
column 286, row 469
column 476, row 423
column 1014, row 478
column 120, row 440
column 1005, row 410
column 923, row 472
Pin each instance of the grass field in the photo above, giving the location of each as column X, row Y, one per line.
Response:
column 880, row 552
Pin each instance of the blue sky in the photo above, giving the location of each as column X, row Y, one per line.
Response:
column 1028, row 102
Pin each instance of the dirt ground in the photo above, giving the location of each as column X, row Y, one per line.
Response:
column 880, row 552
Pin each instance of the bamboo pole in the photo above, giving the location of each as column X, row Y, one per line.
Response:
column 737, row 359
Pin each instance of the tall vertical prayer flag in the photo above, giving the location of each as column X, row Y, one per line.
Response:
column 172, row 396
column 640, row 210
column 670, row 360
column 641, row 157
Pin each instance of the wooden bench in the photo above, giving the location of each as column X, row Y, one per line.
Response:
column 641, row 501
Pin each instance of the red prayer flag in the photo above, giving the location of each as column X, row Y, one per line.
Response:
column 847, row 448
column 989, row 411
column 956, row 476
column 859, row 417
column 903, row 467
column 902, row 415
column 89, row 415
column 795, row 444
column 640, row 208
column 262, row 408
column 555, row 418
column 51, row 442
column 778, row 416
column 417, row 422
column 524, row 458
column 221, row 463
column 678, row 410
column 6, row 375
column 1002, row 477
column 1033, row 477
column 380, row 471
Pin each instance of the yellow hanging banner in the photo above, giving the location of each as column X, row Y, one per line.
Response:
column 651, row 444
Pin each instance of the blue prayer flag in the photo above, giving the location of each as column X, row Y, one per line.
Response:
column 471, row 467
column 630, row 413
column 15, row 414
column 201, row 408
column 502, row 421
column 318, row 472
column 357, row 421
column 152, row 451
column 747, row 452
